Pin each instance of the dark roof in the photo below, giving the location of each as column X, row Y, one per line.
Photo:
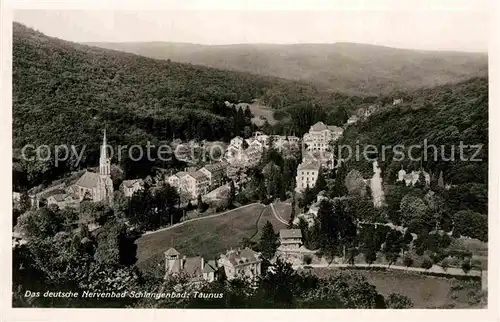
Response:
column 192, row 266
column 88, row 180
column 210, row 267
column 131, row 183
column 59, row 197
column 198, row 175
column 215, row 166
column 243, row 256
column 320, row 126
column 172, row 252
column 290, row 233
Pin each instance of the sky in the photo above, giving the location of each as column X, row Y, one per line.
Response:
column 444, row 28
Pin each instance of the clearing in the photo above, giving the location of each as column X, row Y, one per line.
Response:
column 261, row 114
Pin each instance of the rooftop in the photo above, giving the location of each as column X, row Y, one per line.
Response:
column 309, row 165
column 215, row 166
column 88, row 180
column 198, row 175
column 131, row 183
column 241, row 256
column 290, row 233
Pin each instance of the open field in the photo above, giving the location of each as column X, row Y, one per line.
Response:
column 424, row 291
column 262, row 113
column 206, row 237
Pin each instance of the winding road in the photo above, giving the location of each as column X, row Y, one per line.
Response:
column 434, row 269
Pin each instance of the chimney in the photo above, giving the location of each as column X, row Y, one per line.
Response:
column 202, row 264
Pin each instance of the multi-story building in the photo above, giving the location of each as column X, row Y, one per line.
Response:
column 215, row 173
column 320, row 135
column 236, row 142
column 244, row 263
column 194, row 268
column 307, row 174
column 290, row 238
column 175, row 179
column 195, row 183
column 129, row 187
column 62, row 200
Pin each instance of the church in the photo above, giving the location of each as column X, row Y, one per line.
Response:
column 94, row 186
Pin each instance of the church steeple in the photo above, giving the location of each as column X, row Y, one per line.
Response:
column 104, row 162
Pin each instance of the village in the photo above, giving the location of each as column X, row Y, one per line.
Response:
column 212, row 182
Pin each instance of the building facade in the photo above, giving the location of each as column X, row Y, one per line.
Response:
column 196, row 269
column 307, row 174
column 129, row 187
column 96, row 186
column 320, row 136
column 215, row 173
column 240, row 263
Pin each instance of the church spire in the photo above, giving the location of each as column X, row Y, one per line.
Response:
column 104, row 162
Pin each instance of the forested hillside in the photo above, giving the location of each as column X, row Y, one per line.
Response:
column 66, row 93
column 357, row 69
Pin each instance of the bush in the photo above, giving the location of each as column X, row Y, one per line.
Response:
column 466, row 265
column 398, row 301
column 307, row 259
column 445, row 263
column 426, row 262
column 408, row 261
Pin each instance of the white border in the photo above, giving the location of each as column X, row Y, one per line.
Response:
column 10, row 314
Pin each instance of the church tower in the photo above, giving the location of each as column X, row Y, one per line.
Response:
column 105, row 185
column 104, row 162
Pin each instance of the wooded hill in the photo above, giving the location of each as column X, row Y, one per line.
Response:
column 358, row 69
column 445, row 115
column 66, row 93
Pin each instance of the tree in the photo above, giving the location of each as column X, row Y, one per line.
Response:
column 392, row 246
column 370, row 256
column 466, row 265
column 426, row 262
column 412, row 208
column 320, row 184
column 268, row 241
column 232, row 193
column 355, row 183
column 440, row 180
column 408, row 260
column 398, row 301
column 445, row 263
column 292, row 215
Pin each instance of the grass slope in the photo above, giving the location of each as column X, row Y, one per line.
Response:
column 207, row 237
column 359, row 69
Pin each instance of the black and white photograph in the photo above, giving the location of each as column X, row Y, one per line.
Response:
column 250, row 159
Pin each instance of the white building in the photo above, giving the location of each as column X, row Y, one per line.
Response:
column 244, row 263
column 195, row 183
column 320, row 136
column 215, row 173
column 307, row 174
column 236, row 142
column 175, row 179
column 413, row 177
column 129, row 187
column 196, row 269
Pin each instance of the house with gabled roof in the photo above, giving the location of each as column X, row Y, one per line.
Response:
column 129, row 187
column 196, row 269
column 215, row 172
column 241, row 263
